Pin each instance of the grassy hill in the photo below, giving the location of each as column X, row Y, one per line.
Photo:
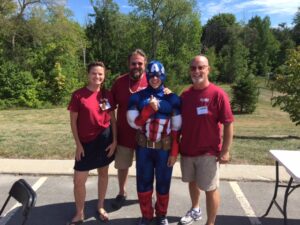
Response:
column 45, row 133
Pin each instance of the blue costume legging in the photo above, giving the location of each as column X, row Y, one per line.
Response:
column 150, row 162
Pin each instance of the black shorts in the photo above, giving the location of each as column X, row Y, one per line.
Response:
column 95, row 155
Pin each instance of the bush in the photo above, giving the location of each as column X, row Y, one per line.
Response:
column 245, row 95
column 17, row 88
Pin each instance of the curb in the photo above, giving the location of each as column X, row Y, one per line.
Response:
column 228, row 172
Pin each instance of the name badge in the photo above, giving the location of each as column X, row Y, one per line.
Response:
column 104, row 104
column 202, row 110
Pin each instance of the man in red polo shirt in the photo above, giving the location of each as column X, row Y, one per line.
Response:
column 205, row 110
column 127, row 84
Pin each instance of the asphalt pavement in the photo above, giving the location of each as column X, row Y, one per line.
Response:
column 246, row 192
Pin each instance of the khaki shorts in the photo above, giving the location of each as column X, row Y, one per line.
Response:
column 123, row 157
column 204, row 170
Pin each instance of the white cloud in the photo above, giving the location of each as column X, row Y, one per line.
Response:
column 265, row 6
column 270, row 6
column 273, row 8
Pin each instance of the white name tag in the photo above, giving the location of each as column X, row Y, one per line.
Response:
column 202, row 110
column 104, row 105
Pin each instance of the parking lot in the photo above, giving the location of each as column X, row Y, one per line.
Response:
column 242, row 203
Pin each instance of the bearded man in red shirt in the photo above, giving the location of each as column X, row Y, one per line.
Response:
column 126, row 85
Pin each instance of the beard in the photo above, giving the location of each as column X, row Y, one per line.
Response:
column 136, row 74
column 197, row 80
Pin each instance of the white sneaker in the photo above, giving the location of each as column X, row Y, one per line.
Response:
column 190, row 217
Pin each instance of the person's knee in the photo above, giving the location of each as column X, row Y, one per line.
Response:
column 123, row 172
column 193, row 184
column 79, row 182
column 213, row 194
column 103, row 172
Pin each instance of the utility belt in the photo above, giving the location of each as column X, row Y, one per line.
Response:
column 164, row 143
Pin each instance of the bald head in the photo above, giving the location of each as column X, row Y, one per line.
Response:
column 200, row 58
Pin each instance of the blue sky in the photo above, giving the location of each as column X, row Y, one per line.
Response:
column 278, row 10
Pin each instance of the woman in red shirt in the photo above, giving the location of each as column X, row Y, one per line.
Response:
column 93, row 126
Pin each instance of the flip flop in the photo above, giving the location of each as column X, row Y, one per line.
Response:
column 103, row 215
column 75, row 222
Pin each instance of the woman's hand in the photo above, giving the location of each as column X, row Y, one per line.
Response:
column 79, row 152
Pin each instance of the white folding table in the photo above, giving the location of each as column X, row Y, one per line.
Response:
column 290, row 160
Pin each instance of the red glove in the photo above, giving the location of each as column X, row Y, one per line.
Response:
column 147, row 111
column 175, row 143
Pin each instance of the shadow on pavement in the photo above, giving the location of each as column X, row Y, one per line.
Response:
column 278, row 221
column 242, row 220
column 61, row 213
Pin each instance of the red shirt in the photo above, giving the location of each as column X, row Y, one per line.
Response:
column 92, row 119
column 203, row 111
column 122, row 89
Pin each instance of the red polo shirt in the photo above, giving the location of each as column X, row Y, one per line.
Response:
column 203, row 112
column 122, row 89
column 92, row 120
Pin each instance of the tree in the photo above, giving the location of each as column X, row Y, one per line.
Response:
column 56, row 56
column 18, row 22
column 170, row 31
column 161, row 17
column 296, row 29
column 287, row 84
column 44, row 37
column 212, row 58
column 283, row 34
column 218, row 31
column 233, row 61
column 108, row 33
column 245, row 94
column 262, row 45
column 176, row 50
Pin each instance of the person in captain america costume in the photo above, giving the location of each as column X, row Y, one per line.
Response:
column 157, row 118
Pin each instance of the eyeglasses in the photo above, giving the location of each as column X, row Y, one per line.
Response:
column 194, row 68
column 137, row 63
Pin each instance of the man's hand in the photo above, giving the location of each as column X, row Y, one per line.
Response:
column 167, row 91
column 223, row 157
column 111, row 149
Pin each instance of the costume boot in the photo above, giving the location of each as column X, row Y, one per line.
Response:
column 145, row 200
column 161, row 205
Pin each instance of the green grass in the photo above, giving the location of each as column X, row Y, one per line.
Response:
column 43, row 133
column 46, row 133
column 267, row 128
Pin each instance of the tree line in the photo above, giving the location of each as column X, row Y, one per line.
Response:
column 44, row 52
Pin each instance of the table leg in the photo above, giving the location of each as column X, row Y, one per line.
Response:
column 275, row 191
column 286, row 195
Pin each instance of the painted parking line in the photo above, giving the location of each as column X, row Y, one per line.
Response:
column 14, row 209
column 244, row 203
